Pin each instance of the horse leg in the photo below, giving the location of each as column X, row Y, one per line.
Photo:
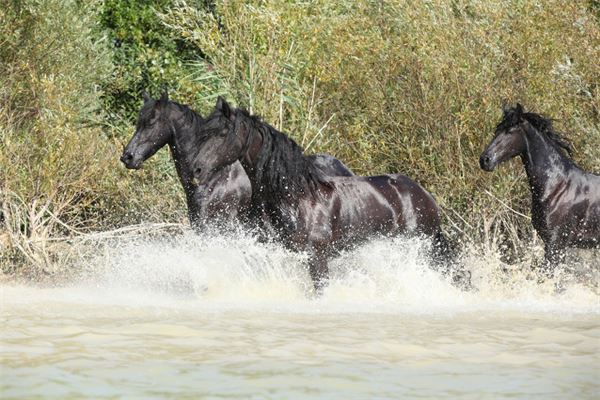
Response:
column 553, row 255
column 194, row 219
column 444, row 260
column 319, row 272
column 194, row 204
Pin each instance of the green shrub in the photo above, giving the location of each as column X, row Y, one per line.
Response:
column 395, row 86
column 59, row 171
column 148, row 57
column 411, row 87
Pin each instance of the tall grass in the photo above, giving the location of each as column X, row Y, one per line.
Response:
column 59, row 170
column 412, row 87
column 391, row 86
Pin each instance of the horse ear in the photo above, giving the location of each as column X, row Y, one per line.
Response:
column 505, row 107
column 146, row 97
column 519, row 109
column 164, row 97
column 224, row 108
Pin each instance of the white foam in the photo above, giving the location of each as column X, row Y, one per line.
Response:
column 215, row 272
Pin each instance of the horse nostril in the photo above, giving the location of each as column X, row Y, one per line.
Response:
column 126, row 158
column 484, row 162
column 196, row 177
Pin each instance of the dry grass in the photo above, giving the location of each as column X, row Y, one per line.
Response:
column 393, row 86
column 39, row 253
column 59, row 171
column 409, row 87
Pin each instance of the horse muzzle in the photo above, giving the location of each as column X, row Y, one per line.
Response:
column 199, row 178
column 486, row 163
column 130, row 161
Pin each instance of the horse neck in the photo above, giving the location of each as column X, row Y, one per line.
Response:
column 272, row 191
column 255, row 141
column 544, row 164
column 182, row 144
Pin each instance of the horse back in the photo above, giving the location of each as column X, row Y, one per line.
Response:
column 381, row 205
column 569, row 213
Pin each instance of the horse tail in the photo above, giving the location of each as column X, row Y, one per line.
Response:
column 445, row 260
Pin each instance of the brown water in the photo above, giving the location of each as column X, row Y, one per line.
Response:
column 231, row 319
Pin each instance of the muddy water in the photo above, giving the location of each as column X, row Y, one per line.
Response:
column 229, row 318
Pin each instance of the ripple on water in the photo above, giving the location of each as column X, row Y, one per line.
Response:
column 217, row 317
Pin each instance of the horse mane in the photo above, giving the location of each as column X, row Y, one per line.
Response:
column 513, row 116
column 190, row 116
column 281, row 163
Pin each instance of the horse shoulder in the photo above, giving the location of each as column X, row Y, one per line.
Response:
column 239, row 183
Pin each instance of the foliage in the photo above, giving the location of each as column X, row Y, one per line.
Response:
column 147, row 57
column 394, row 86
column 59, row 171
column 409, row 87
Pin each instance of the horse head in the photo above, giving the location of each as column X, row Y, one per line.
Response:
column 223, row 143
column 509, row 139
column 153, row 131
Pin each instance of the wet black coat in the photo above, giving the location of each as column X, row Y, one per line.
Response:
column 565, row 200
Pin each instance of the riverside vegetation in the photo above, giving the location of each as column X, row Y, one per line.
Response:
column 391, row 86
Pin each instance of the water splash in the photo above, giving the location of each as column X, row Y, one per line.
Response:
column 387, row 276
column 219, row 311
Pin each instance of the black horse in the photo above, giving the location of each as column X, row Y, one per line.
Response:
column 565, row 200
column 223, row 198
column 306, row 209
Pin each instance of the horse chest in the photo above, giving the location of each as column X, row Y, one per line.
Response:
column 280, row 221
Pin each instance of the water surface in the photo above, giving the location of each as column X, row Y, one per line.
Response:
column 222, row 318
